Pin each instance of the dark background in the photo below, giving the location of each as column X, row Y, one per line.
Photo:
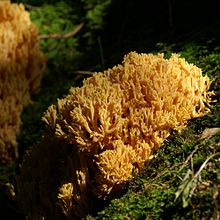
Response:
column 139, row 25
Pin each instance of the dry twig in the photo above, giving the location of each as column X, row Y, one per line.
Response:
column 190, row 182
column 82, row 72
column 62, row 36
column 189, row 157
column 31, row 7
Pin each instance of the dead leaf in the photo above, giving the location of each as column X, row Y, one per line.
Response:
column 209, row 132
column 204, row 185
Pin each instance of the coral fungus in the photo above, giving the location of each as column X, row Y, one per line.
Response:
column 104, row 131
column 21, row 67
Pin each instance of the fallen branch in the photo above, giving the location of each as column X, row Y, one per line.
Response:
column 87, row 73
column 31, row 7
column 62, row 36
column 189, row 157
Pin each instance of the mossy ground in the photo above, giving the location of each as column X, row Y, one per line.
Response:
column 182, row 181
column 172, row 172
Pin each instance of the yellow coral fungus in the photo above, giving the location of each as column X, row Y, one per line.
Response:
column 20, row 72
column 111, row 126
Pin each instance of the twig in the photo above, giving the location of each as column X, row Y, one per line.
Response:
column 31, row 7
column 81, row 72
column 190, row 182
column 101, row 53
column 204, row 164
column 62, row 36
column 189, row 157
column 170, row 11
column 160, row 175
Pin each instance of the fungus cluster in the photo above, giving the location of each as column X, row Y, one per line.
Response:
column 104, row 131
column 21, row 67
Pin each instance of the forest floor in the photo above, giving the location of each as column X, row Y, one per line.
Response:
column 182, row 181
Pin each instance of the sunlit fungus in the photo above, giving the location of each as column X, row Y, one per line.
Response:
column 102, row 133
